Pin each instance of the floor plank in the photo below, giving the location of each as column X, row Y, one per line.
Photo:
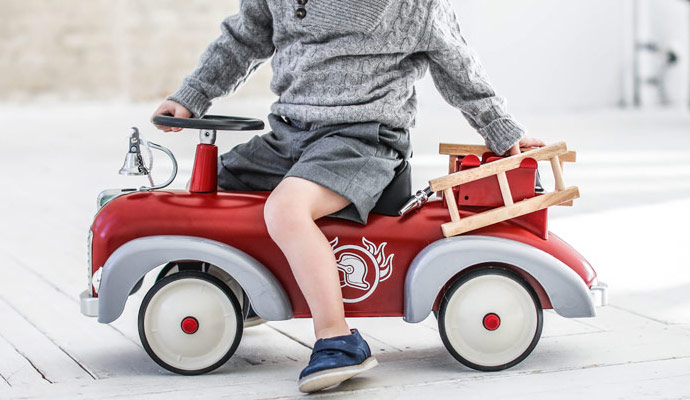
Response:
column 16, row 369
column 656, row 379
column 302, row 330
column 555, row 325
column 99, row 349
column 46, row 356
column 400, row 335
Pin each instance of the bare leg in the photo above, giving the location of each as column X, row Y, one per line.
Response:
column 290, row 212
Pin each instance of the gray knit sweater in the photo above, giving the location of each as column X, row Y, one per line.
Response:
column 337, row 61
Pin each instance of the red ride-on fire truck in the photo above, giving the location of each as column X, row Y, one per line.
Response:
column 473, row 248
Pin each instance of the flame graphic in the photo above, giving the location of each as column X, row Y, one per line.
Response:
column 385, row 264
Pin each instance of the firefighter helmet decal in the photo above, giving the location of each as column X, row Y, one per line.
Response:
column 361, row 268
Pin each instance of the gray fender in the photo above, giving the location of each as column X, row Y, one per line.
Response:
column 131, row 261
column 434, row 266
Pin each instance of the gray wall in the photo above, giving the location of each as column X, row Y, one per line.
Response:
column 103, row 49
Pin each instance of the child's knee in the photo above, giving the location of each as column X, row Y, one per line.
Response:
column 283, row 217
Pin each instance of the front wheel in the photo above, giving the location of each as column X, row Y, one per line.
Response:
column 190, row 323
column 490, row 319
column 250, row 318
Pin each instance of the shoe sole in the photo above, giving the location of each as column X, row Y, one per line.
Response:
column 323, row 379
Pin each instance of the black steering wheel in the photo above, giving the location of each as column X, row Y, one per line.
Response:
column 210, row 122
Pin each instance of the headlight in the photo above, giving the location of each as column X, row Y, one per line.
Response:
column 105, row 196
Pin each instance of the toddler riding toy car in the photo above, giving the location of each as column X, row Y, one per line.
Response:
column 473, row 248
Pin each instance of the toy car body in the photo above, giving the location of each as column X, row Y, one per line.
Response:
column 487, row 288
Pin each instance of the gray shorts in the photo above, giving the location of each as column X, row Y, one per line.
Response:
column 355, row 160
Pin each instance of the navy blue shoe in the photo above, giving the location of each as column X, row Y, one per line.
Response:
column 335, row 360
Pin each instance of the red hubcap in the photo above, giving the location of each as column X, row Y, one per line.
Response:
column 190, row 325
column 491, row 322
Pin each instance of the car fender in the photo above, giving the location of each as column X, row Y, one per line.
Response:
column 437, row 263
column 131, row 261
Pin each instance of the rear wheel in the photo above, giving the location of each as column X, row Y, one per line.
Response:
column 490, row 319
column 190, row 323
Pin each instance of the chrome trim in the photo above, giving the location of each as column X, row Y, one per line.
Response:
column 418, row 200
column 88, row 305
column 207, row 136
column 174, row 167
column 599, row 294
column 89, row 258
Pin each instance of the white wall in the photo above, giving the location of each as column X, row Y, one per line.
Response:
column 666, row 22
column 558, row 55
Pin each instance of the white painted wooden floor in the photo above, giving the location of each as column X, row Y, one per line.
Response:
column 631, row 223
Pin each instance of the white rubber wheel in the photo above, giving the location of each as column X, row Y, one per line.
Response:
column 490, row 319
column 250, row 318
column 190, row 323
column 179, row 266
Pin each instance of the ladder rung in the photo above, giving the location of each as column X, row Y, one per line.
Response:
column 505, row 188
column 504, row 213
column 557, row 174
column 495, row 167
column 452, row 205
column 451, row 149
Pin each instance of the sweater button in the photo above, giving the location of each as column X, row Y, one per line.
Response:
column 301, row 13
column 302, row 2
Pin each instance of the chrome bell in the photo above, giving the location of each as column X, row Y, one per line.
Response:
column 134, row 163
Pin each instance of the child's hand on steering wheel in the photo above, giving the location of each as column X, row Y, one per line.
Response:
column 525, row 142
column 174, row 109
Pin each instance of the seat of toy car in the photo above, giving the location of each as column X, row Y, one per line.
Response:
column 396, row 194
column 392, row 199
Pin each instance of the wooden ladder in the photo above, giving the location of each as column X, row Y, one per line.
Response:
column 556, row 153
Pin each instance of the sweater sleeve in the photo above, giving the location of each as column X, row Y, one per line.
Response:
column 244, row 44
column 463, row 83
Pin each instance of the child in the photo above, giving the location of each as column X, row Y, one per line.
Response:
column 344, row 71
